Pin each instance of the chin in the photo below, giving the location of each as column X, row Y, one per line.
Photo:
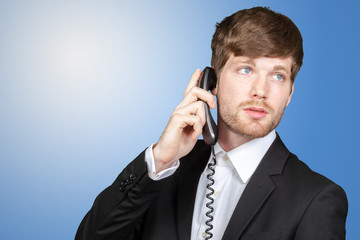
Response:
column 256, row 131
column 252, row 129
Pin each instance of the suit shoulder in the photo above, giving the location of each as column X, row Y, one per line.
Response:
column 303, row 186
column 299, row 172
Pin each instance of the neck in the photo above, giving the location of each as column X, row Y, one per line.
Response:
column 228, row 139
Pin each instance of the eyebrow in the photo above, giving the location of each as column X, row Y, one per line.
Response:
column 247, row 61
column 280, row 67
column 250, row 62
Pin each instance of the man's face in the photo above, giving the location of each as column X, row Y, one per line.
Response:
column 252, row 94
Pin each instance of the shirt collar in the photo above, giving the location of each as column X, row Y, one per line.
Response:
column 245, row 158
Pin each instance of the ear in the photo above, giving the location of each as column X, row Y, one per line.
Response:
column 291, row 93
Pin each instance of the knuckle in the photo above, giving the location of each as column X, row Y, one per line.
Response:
column 197, row 119
column 200, row 104
column 194, row 90
column 174, row 115
column 186, row 91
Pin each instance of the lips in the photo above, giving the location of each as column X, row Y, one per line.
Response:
column 256, row 113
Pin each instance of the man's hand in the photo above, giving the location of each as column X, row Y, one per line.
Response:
column 184, row 126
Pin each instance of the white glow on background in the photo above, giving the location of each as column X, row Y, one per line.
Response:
column 76, row 48
column 74, row 54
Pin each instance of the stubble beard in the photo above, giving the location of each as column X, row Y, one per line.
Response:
column 243, row 125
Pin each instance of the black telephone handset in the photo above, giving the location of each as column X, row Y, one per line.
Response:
column 210, row 134
column 208, row 82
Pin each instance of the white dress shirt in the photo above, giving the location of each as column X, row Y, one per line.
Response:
column 232, row 173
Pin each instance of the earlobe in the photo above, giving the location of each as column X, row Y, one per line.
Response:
column 214, row 91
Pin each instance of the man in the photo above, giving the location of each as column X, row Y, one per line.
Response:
column 261, row 190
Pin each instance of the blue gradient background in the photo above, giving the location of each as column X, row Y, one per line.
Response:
column 85, row 86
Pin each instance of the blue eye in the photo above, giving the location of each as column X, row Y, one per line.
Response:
column 278, row 77
column 245, row 70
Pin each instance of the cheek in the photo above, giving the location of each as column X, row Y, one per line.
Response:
column 280, row 93
column 281, row 100
column 229, row 96
column 232, row 92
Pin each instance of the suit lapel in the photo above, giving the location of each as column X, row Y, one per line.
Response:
column 192, row 167
column 258, row 189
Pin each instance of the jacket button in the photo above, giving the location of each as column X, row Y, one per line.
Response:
column 132, row 176
column 123, row 183
column 122, row 188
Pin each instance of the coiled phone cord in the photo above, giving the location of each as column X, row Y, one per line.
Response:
column 208, row 214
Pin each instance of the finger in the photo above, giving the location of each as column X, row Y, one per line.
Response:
column 196, row 94
column 196, row 124
column 195, row 108
column 193, row 80
column 181, row 123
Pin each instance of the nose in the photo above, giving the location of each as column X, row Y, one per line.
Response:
column 259, row 88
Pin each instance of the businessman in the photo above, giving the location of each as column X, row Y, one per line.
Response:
column 260, row 189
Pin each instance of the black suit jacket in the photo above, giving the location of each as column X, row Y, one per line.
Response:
column 284, row 199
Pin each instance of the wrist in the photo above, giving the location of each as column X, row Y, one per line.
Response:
column 160, row 164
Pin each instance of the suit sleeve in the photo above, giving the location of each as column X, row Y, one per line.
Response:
column 118, row 211
column 325, row 216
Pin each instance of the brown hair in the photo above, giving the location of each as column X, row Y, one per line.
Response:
column 254, row 33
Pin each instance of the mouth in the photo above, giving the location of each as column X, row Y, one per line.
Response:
column 256, row 113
